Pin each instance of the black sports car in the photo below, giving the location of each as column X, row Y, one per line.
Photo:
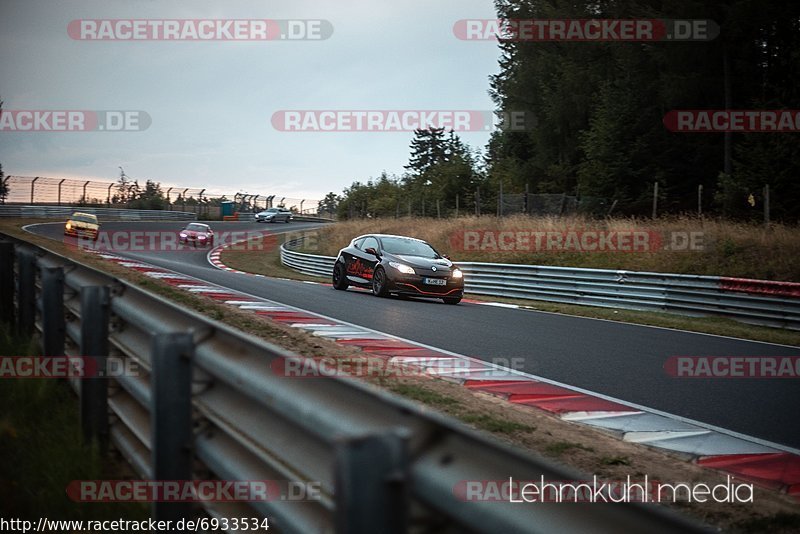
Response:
column 391, row 264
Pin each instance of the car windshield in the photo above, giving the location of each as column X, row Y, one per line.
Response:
column 197, row 228
column 84, row 218
column 271, row 210
column 408, row 247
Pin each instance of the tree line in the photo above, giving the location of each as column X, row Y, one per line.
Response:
column 599, row 109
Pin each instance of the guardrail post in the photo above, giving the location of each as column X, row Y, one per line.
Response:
column 7, row 277
column 52, row 299
column 171, row 416
column 26, row 292
column 371, row 484
column 95, row 303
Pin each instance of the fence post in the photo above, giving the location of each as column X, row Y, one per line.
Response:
column 500, row 201
column 655, row 200
column 33, row 188
column 766, row 205
column 371, row 484
column 7, row 283
column 438, row 211
column 26, row 291
column 52, row 302
column 478, row 202
column 456, row 206
column 700, row 200
column 95, row 301
column 525, row 204
column 171, row 416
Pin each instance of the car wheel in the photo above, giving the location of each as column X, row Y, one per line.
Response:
column 379, row 283
column 339, row 277
column 453, row 300
column 287, row 220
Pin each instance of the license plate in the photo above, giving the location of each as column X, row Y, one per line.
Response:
column 435, row 281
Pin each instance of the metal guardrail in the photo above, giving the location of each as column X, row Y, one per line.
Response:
column 103, row 214
column 207, row 405
column 676, row 293
column 309, row 264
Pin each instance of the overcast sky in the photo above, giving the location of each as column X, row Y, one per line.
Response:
column 211, row 102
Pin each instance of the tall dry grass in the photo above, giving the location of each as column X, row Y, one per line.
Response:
column 728, row 248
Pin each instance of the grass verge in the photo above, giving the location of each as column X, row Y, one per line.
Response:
column 721, row 248
column 43, row 451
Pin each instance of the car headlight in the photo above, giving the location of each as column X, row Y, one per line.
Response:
column 201, row 237
column 402, row 268
column 183, row 236
column 457, row 273
column 69, row 225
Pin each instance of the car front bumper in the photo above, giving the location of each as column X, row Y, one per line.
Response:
column 81, row 232
column 414, row 285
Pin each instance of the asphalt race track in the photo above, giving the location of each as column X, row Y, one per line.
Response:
column 620, row 360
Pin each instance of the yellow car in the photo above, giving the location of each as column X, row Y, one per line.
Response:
column 82, row 225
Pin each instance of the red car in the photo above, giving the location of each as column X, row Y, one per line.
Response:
column 196, row 234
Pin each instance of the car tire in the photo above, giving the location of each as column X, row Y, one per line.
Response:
column 379, row 284
column 452, row 300
column 339, row 277
column 287, row 220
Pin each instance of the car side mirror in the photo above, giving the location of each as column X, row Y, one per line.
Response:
column 445, row 256
column 371, row 250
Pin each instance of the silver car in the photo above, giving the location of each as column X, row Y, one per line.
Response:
column 274, row 215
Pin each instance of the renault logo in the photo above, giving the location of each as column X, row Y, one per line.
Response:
column 433, row 268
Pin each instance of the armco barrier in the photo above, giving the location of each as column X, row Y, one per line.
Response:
column 752, row 301
column 103, row 214
column 205, row 404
